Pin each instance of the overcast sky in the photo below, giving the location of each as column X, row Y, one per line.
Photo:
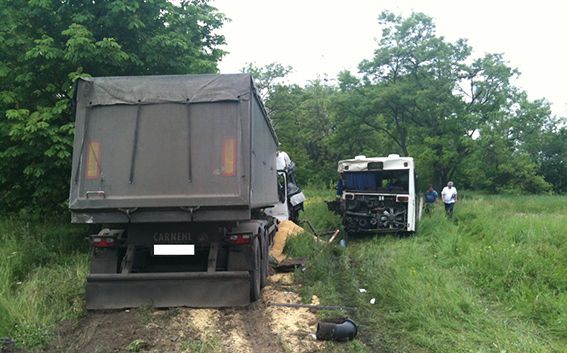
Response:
column 319, row 38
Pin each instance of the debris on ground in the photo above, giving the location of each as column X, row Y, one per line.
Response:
column 7, row 345
column 293, row 325
column 137, row 345
column 286, row 229
column 289, row 265
column 312, row 229
column 257, row 328
column 334, row 236
column 310, row 306
column 315, row 300
column 343, row 330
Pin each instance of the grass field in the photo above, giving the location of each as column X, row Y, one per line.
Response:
column 495, row 280
column 42, row 273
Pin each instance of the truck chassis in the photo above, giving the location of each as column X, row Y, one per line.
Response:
column 229, row 266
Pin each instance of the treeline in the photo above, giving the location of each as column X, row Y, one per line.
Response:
column 460, row 117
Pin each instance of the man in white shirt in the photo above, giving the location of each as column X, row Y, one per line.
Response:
column 449, row 196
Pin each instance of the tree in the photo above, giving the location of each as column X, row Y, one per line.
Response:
column 411, row 69
column 304, row 122
column 45, row 45
column 460, row 117
column 268, row 78
column 421, row 93
column 552, row 157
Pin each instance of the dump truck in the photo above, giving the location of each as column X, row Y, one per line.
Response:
column 177, row 172
column 377, row 195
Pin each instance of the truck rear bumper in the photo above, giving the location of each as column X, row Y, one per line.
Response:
column 191, row 289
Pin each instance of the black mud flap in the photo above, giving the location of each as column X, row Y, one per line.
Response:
column 160, row 290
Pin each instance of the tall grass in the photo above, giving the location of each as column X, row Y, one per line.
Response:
column 42, row 274
column 494, row 280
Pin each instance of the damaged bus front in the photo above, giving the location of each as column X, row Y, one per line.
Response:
column 377, row 195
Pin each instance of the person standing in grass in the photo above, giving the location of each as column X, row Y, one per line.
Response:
column 431, row 198
column 449, row 195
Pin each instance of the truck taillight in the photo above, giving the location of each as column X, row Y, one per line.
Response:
column 239, row 239
column 402, row 198
column 229, row 157
column 103, row 242
column 106, row 238
column 92, row 169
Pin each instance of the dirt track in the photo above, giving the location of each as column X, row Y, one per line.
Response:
column 258, row 328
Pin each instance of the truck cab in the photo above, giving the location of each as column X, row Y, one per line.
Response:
column 291, row 198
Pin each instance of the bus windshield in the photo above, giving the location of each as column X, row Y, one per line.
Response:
column 390, row 181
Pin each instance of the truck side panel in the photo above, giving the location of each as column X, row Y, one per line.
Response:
column 263, row 191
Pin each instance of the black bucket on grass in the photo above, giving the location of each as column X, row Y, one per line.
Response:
column 332, row 331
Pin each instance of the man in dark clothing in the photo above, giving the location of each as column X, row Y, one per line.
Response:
column 431, row 198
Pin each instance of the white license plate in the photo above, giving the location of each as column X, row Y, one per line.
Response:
column 174, row 249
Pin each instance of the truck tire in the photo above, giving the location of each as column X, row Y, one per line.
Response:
column 265, row 262
column 256, row 272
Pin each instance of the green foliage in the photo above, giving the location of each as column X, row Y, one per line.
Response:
column 460, row 117
column 42, row 275
column 493, row 281
column 208, row 344
column 551, row 152
column 305, row 124
column 137, row 345
column 46, row 45
column 268, row 78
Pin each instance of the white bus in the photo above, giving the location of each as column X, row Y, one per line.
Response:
column 378, row 195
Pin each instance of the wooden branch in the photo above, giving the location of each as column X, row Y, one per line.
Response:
column 334, row 236
column 311, row 306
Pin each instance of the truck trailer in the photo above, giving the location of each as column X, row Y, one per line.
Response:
column 177, row 173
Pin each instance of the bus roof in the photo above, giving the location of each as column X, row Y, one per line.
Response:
column 362, row 163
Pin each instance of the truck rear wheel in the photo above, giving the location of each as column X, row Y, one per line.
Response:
column 265, row 262
column 256, row 272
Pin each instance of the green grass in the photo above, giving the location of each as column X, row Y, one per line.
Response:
column 210, row 343
column 495, row 280
column 42, row 275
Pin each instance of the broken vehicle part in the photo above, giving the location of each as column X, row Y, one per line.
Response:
column 343, row 331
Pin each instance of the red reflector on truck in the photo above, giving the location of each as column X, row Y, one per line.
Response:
column 229, row 157
column 239, row 239
column 102, row 242
column 402, row 198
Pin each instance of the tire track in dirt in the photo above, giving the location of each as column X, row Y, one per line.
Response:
column 263, row 328
column 258, row 328
column 293, row 326
column 245, row 331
